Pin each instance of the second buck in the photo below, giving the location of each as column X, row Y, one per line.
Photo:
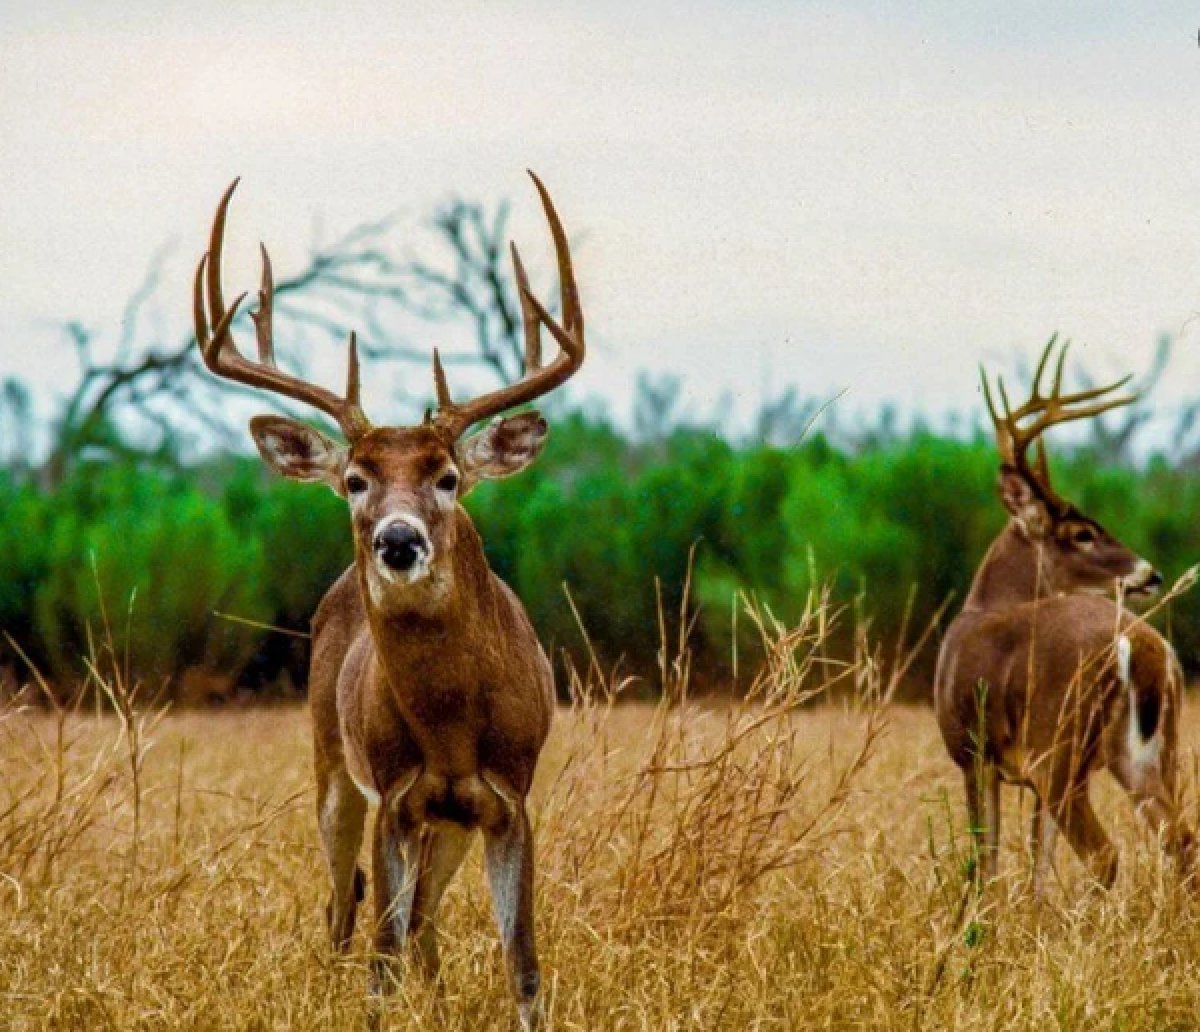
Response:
column 430, row 694
column 1041, row 679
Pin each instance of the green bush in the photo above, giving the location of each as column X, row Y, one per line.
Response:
column 902, row 520
column 142, row 561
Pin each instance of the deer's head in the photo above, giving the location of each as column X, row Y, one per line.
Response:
column 403, row 484
column 1076, row 554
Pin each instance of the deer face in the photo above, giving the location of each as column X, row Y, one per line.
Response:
column 403, row 486
column 1076, row 553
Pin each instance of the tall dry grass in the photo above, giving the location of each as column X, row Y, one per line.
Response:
column 792, row 859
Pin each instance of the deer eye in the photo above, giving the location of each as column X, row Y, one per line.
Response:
column 448, row 481
column 355, row 484
column 1084, row 536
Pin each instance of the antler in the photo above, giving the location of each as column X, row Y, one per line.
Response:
column 221, row 354
column 454, row 418
column 1013, row 439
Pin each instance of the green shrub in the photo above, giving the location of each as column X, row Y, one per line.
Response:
column 905, row 519
column 143, row 561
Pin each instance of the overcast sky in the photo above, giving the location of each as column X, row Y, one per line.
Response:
column 822, row 194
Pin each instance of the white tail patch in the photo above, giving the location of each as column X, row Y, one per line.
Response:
column 1124, row 655
column 1143, row 754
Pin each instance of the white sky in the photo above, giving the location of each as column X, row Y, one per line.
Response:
column 830, row 195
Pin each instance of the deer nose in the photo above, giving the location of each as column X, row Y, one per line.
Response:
column 399, row 545
column 1155, row 581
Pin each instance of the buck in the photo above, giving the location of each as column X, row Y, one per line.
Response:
column 429, row 691
column 1043, row 679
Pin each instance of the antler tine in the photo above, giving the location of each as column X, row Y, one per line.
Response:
column 220, row 351
column 533, row 327
column 439, row 383
column 1041, row 462
column 1036, row 389
column 1058, row 368
column 353, row 384
column 1058, row 407
column 266, row 311
column 568, row 290
column 1004, row 439
column 454, row 419
column 1044, row 411
column 1066, row 409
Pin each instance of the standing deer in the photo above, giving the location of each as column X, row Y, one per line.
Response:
column 430, row 693
column 1041, row 679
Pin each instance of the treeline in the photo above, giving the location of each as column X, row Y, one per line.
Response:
column 183, row 568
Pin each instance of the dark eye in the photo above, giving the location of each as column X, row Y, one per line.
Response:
column 448, row 481
column 1084, row 536
column 355, row 484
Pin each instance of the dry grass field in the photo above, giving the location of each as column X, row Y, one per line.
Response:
column 764, row 865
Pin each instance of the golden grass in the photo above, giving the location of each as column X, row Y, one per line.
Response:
column 773, row 864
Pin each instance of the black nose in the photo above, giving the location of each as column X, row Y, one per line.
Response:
column 1155, row 581
column 399, row 545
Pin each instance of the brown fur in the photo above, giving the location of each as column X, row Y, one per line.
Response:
column 437, row 697
column 1028, row 691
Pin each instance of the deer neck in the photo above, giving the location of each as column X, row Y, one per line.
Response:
column 1011, row 574
column 437, row 624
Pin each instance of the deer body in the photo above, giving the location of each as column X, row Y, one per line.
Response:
column 395, row 698
column 1042, row 679
column 1044, row 692
column 1009, row 635
column 438, row 716
column 430, row 694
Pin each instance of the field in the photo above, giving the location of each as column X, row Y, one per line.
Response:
column 701, row 867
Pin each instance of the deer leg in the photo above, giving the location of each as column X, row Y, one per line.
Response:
column 443, row 851
column 508, row 855
column 1147, row 787
column 1043, row 838
column 341, row 813
column 396, row 868
column 983, row 814
column 1072, row 810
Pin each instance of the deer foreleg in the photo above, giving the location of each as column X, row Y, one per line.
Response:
column 396, row 869
column 443, row 851
column 341, row 813
column 508, row 854
column 1073, row 812
column 1148, row 789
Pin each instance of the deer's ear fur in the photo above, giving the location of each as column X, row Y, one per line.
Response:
column 298, row 452
column 1024, row 505
column 506, row 446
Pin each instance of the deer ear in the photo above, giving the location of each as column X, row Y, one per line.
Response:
column 299, row 452
column 503, row 448
column 1024, row 505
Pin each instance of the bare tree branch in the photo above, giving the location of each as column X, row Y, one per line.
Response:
column 354, row 279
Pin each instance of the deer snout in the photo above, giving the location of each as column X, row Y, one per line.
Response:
column 1144, row 580
column 400, row 546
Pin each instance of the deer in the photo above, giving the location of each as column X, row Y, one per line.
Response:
column 1045, row 677
column 430, row 694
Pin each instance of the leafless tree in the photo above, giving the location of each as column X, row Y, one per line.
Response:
column 656, row 407
column 16, row 426
column 784, row 421
column 470, row 280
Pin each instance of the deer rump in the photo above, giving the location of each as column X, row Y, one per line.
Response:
column 1083, row 685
